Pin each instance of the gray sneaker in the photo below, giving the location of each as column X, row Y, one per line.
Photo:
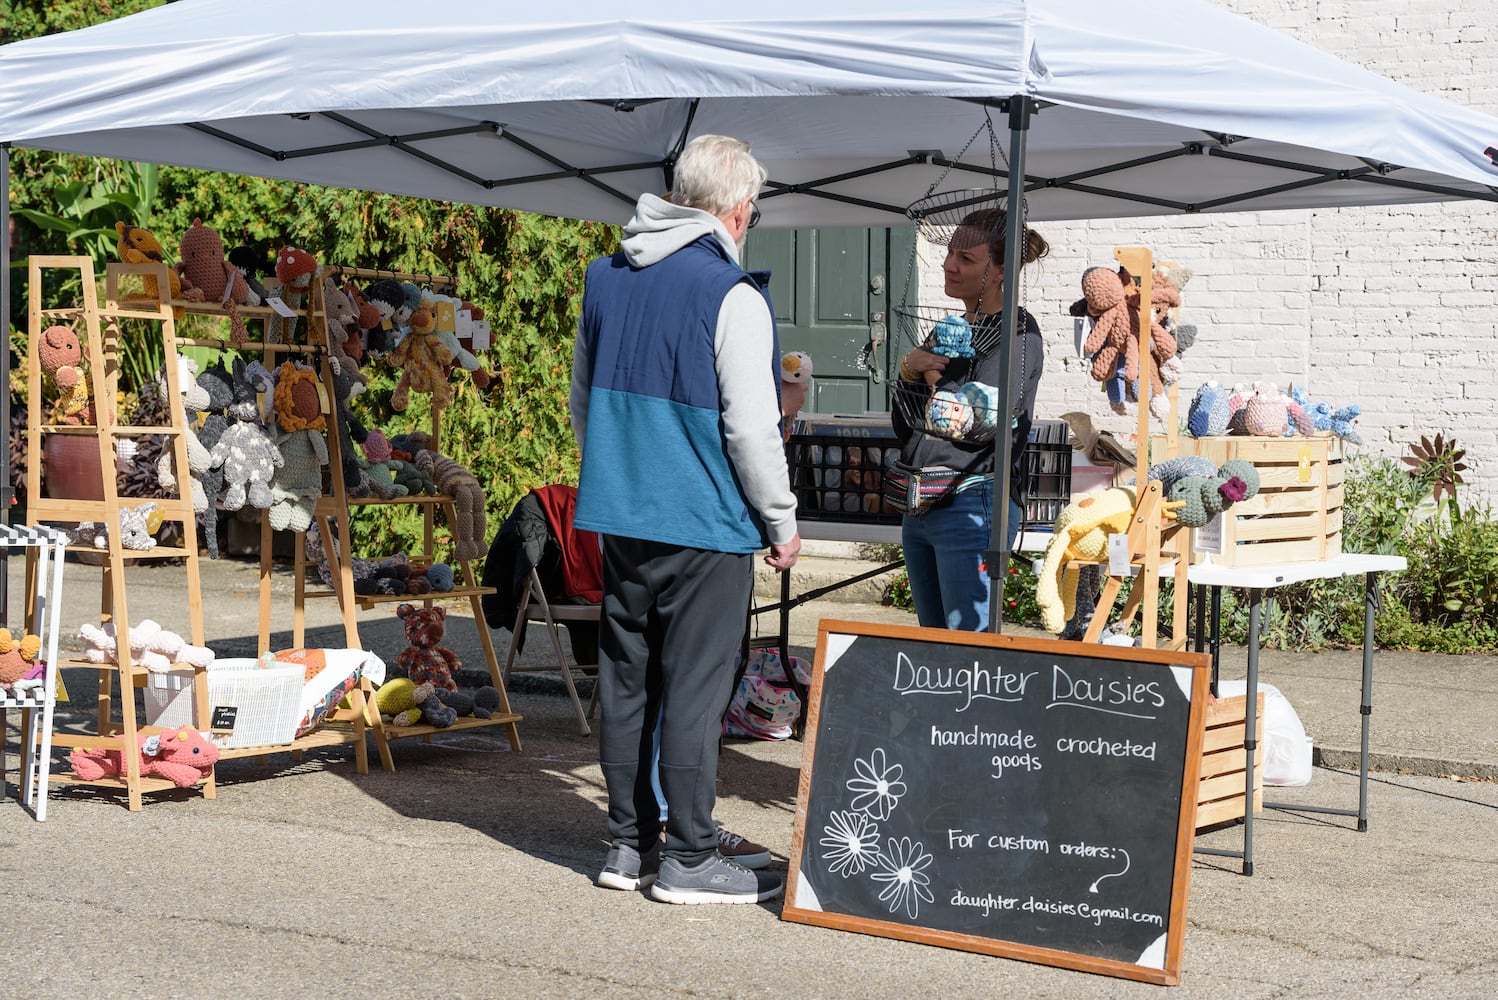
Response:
column 626, row 868
column 715, row 880
column 740, row 850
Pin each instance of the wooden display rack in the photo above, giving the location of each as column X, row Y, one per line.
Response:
column 1153, row 539
column 332, row 513
column 103, row 331
column 104, row 334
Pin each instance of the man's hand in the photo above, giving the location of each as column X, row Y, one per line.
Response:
column 784, row 556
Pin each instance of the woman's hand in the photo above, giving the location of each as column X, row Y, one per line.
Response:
column 921, row 364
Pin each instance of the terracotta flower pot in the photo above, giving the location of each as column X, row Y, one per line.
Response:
column 71, row 468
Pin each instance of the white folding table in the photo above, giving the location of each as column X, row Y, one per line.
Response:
column 1258, row 581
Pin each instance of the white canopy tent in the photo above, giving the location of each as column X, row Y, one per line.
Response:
column 855, row 106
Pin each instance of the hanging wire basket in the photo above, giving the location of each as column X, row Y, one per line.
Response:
column 955, row 411
column 971, row 217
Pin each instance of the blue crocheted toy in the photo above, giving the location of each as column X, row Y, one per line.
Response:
column 1209, row 412
column 952, row 338
column 1324, row 418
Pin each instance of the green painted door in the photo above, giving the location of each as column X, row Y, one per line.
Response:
column 832, row 290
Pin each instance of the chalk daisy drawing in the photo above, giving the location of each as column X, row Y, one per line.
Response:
column 877, row 786
column 852, row 842
column 903, row 864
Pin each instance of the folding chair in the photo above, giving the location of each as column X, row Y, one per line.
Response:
column 536, row 608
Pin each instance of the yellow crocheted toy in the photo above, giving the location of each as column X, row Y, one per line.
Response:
column 1082, row 531
column 139, row 246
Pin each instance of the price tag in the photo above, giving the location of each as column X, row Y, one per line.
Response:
column 1118, row 554
column 447, row 319
column 280, row 308
column 224, row 717
column 1209, row 537
column 1305, row 464
column 464, row 328
column 481, row 340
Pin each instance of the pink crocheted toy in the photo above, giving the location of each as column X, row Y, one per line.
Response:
column 183, row 756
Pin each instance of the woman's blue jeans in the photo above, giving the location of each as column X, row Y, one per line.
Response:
column 944, row 559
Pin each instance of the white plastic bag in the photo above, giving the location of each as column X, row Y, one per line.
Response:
column 1287, row 752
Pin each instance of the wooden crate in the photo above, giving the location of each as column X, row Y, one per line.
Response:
column 1219, row 791
column 1297, row 514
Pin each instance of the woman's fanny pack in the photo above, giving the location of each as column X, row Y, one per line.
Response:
column 914, row 491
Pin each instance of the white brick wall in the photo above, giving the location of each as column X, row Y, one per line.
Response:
column 1393, row 309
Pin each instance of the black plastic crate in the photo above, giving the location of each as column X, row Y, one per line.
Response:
column 837, row 468
column 1047, row 470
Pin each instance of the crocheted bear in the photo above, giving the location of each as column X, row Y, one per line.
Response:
column 139, row 246
column 423, row 361
column 183, row 756
column 425, row 659
column 469, row 532
column 207, row 276
column 61, row 355
column 297, row 483
column 246, row 451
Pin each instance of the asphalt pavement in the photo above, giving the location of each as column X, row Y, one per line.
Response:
column 467, row 871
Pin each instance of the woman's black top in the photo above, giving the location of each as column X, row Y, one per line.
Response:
column 928, row 451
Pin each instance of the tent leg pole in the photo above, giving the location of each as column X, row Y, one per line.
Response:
column 7, row 494
column 997, row 557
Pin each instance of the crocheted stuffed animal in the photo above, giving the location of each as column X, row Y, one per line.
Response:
column 139, row 246
column 246, row 451
column 297, row 483
column 345, row 349
column 199, row 459
column 17, row 657
column 61, row 356
column 1082, row 531
column 401, row 702
column 183, row 756
column 475, row 684
column 151, row 646
column 1112, row 300
column 207, row 276
column 425, row 659
column 422, row 358
column 1264, row 411
column 1202, row 498
column 462, row 357
column 1324, row 418
column 1209, row 412
column 295, row 270
column 218, row 384
column 251, row 265
column 470, row 531
column 385, row 296
column 795, row 382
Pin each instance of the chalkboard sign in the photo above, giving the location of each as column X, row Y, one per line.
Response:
column 1017, row 797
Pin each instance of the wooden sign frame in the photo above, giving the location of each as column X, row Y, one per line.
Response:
column 802, row 903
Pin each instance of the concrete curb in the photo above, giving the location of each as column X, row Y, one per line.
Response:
column 1390, row 763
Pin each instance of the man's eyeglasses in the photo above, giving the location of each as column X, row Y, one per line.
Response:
column 753, row 215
